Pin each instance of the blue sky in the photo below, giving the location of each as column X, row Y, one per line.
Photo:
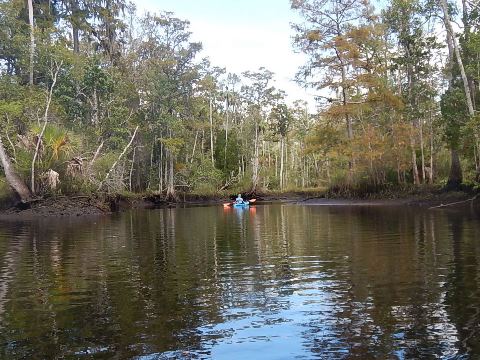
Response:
column 242, row 35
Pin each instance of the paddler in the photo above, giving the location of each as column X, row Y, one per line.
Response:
column 239, row 199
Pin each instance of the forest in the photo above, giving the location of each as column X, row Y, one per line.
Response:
column 95, row 98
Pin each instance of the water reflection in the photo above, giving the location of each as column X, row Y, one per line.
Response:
column 279, row 281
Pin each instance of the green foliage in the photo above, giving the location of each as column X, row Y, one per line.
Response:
column 57, row 145
column 227, row 158
column 204, row 177
column 454, row 114
column 103, row 164
column 5, row 190
column 281, row 119
column 379, row 100
column 174, row 145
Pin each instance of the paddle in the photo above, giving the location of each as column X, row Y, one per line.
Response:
column 251, row 201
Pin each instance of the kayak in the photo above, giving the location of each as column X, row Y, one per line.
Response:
column 241, row 205
column 244, row 204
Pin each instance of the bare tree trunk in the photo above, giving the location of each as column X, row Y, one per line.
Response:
column 194, row 147
column 45, row 122
column 416, row 179
column 170, row 185
column 10, row 140
column 165, row 170
column 255, row 161
column 277, row 173
column 422, row 145
column 95, row 107
column 468, row 85
column 32, row 39
column 76, row 42
column 455, row 178
column 448, row 25
column 281, row 163
column 15, row 182
column 131, row 169
column 285, row 175
column 97, row 152
column 211, row 132
column 412, row 102
column 152, row 151
column 35, row 155
column 431, row 150
column 468, row 94
column 160, row 170
column 119, row 157
column 73, row 22
column 202, row 145
column 348, row 122
column 226, row 134
column 303, row 172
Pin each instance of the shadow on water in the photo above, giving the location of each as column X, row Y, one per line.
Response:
column 462, row 286
column 283, row 281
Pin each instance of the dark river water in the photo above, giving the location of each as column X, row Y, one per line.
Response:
column 272, row 282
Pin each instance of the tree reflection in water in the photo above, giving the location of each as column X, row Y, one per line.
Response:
column 276, row 280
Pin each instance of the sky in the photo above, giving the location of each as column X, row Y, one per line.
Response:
column 242, row 35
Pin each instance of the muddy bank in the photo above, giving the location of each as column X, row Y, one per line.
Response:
column 76, row 206
column 57, row 206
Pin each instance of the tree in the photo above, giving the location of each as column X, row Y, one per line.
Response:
column 457, row 108
column 258, row 95
column 15, row 182
column 323, row 39
column 458, row 57
column 32, row 39
column 168, row 74
column 282, row 119
column 45, row 122
column 406, row 19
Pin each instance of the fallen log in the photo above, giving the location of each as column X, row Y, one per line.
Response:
column 454, row 203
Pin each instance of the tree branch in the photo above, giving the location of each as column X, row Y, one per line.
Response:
column 454, row 203
column 45, row 119
column 116, row 162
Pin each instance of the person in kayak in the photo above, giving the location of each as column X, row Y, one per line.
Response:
column 239, row 199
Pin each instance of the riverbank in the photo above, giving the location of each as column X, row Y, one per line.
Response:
column 93, row 205
column 430, row 199
column 87, row 205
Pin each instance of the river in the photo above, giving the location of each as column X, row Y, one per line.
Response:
column 280, row 281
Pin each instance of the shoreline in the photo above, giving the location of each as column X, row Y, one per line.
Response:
column 85, row 205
